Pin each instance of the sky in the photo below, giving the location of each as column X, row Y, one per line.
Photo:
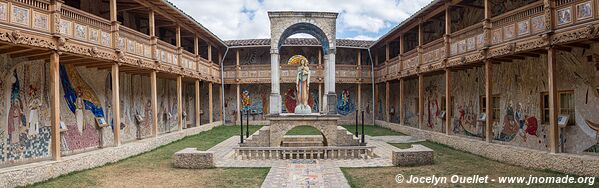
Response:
column 248, row 19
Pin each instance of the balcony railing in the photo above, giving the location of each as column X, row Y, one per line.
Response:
column 518, row 23
column 467, row 40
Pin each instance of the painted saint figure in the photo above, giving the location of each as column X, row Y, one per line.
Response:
column 79, row 106
column 302, row 82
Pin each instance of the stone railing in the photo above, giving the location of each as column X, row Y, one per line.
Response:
column 325, row 152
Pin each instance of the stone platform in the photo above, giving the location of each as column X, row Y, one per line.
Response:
column 326, row 124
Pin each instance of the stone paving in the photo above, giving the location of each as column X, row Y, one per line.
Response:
column 307, row 172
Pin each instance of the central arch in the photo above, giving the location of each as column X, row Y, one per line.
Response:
column 321, row 25
column 306, row 28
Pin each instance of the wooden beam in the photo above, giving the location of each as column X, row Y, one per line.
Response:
column 55, row 106
column 553, row 106
column 180, row 102
column 401, row 102
column 116, row 105
column 154, row 91
column 238, row 101
column 45, row 54
column 16, row 49
column 210, row 107
column 198, row 108
column 489, row 100
column 448, row 104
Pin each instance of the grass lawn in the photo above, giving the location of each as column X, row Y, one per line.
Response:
column 303, row 130
column 155, row 169
column 372, row 130
column 448, row 162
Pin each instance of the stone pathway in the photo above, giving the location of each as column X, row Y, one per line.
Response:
column 308, row 172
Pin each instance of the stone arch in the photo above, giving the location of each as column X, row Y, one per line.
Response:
column 307, row 28
column 321, row 25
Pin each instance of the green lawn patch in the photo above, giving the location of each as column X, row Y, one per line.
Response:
column 155, row 169
column 372, row 130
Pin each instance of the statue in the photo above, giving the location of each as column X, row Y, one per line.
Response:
column 302, row 85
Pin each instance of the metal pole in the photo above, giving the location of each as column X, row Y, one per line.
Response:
column 362, row 127
column 241, row 126
column 247, row 124
column 357, row 115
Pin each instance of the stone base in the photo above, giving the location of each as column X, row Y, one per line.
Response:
column 193, row 159
column 282, row 123
column 416, row 156
column 275, row 103
column 331, row 103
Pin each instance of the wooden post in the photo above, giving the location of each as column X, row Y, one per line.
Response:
column 197, row 103
column 487, row 23
column 210, row 53
column 210, row 108
column 446, row 38
column 220, row 102
column 489, row 100
column 553, row 111
column 387, row 88
column 55, row 105
column 448, row 104
column 114, row 24
column 375, row 103
column 154, row 90
column 420, row 101
column 238, row 110
column 402, row 107
column 387, row 55
column 153, row 38
column 180, row 102
column 116, row 105
column 179, row 49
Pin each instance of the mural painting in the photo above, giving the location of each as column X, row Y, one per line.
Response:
column 345, row 104
column 24, row 128
column 433, row 97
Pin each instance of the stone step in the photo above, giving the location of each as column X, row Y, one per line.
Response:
column 301, row 144
column 303, row 138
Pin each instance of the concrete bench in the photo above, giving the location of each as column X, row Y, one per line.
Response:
column 193, row 159
column 417, row 155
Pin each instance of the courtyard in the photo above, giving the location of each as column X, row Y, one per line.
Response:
column 155, row 168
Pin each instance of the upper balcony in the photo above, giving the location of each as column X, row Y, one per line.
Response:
column 470, row 34
column 142, row 35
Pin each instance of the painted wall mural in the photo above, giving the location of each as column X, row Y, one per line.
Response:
column 345, row 103
column 24, row 128
column 434, row 87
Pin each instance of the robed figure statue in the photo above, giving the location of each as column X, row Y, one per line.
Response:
column 302, row 84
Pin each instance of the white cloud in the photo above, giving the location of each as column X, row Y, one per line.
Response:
column 243, row 19
column 362, row 37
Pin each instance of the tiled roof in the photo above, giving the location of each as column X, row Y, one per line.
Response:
column 299, row 42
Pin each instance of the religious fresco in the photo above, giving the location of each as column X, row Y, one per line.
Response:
column 345, row 103
column 24, row 127
column 290, row 101
column 467, row 87
column 167, row 105
column 411, row 102
column 434, row 87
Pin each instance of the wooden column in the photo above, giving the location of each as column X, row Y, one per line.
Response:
column 375, row 103
column 220, row 102
column 446, row 37
column 238, row 110
column 114, row 24
column 55, row 105
column 154, row 90
column 359, row 68
column 387, row 55
column 198, row 108
column 487, row 22
column 179, row 49
column 448, row 104
column 387, row 87
column 402, row 107
column 554, row 141
column 116, row 105
column 210, row 107
column 489, row 100
column 210, row 53
column 180, row 102
column 420, row 101
column 153, row 38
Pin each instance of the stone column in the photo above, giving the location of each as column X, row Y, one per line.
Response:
column 275, row 91
column 329, row 84
column 55, row 105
